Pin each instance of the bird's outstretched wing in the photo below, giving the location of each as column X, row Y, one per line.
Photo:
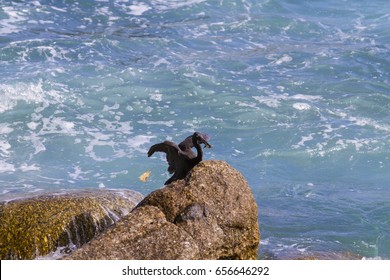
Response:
column 172, row 151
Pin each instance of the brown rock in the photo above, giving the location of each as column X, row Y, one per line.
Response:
column 209, row 215
column 144, row 234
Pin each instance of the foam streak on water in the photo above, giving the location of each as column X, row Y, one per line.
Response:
column 294, row 94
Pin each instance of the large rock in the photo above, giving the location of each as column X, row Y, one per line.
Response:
column 35, row 227
column 209, row 215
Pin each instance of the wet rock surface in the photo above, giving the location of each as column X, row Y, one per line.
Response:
column 211, row 214
column 34, row 227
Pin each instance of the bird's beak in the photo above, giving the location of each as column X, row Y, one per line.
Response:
column 207, row 145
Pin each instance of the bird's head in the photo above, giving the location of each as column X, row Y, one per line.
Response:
column 201, row 138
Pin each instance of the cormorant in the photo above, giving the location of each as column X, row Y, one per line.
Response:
column 181, row 158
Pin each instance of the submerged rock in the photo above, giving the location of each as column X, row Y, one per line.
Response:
column 211, row 214
column 34, row 227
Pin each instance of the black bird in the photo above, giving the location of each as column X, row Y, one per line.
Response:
column 181, row 158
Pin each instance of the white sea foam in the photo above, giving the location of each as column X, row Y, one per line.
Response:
column 37, row 143
column 173, row 4
column 5, row 128
column 52, row 53
column 57, row 125
column 58, row 9
column 301, row 106
column 148, row 109
column 33, row 93
column 116, row 174
column 76, row 174
column 359, row 144
column 34, row 190
column 166, row 123
column 4, row 148
column 99, row 140
column 87, row 117
column 107, row 108
column 6, row 167
column 238, row 153
column 137, row 142
column 139, row 8
column 284, row 59
column 306, row 97
column 105, row 147
column 156, row 97
column 25, row 167
column 122, row 127
column 360, row 121
column 5, row 191
column 274, row 100
column 304, row 139
column 32, row 125
column 246, row 104
column 12, row 23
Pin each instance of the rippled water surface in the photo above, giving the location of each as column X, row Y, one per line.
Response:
column 295, row 95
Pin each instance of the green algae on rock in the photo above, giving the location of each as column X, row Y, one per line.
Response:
column 37, row 226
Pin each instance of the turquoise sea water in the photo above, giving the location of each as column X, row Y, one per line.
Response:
column 294, row 94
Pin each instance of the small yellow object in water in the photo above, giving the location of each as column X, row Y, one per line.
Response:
column 145, row 176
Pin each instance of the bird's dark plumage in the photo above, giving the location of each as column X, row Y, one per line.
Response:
column 181, row 158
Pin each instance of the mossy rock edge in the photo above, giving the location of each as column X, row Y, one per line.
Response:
column 34, row 227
